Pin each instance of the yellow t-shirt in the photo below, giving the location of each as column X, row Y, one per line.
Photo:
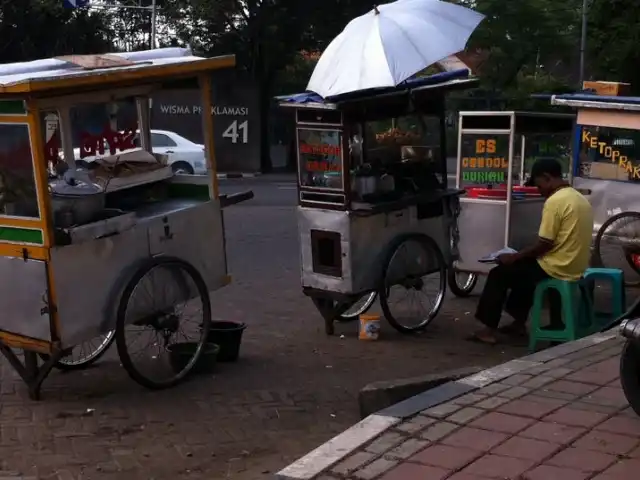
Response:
column 567, row 221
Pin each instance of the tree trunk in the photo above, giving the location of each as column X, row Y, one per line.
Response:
column 264, row 99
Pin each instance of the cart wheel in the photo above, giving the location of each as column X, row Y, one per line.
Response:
column 415, row 271
column 461, row 283
column 617, row 245
column 166, row 301
column 630, row 373
column 83, row 355
column 358, row 308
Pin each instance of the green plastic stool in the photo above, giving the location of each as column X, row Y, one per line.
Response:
column 576, row 310
column 615, row 278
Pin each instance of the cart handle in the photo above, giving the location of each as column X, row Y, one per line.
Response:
column 228, row 200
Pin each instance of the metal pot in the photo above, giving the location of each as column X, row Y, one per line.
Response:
column 366, row 184
column 75, row 203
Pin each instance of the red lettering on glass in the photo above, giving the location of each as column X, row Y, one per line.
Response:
column 322, row 149
column 52, row 149
column 315, row 166
column 92, row 145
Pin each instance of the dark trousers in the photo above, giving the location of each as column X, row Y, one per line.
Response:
column 511, row 287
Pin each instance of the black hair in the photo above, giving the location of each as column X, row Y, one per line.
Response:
column 546, row 166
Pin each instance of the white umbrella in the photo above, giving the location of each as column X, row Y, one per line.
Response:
column 390, row 44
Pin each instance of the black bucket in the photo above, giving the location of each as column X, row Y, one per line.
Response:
column 180, row 354
column 228, row 335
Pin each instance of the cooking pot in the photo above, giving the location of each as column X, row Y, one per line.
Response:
column 75, row 202
column 366, row 184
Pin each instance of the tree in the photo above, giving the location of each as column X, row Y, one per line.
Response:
column 33, row 29
column 612, row 41
column 523, row 37
column 130, row 25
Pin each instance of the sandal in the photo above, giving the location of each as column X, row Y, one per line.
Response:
column 514, row 329
column 480, row 338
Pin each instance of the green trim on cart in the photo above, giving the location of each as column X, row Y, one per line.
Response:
column 12, row 107
column 186, row 190
column 22, row 235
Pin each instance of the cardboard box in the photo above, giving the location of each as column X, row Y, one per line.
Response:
column 608, row 171
column 610, row 89
column 451, row 64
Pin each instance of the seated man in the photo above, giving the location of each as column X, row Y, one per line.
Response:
column 562, row 251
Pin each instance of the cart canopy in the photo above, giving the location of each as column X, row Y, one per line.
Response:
column 585, row 100
column 424, row 93
column 100, row 71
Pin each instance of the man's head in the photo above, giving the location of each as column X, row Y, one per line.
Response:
column 546, row 174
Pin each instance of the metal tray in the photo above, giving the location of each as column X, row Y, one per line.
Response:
column 110, row 222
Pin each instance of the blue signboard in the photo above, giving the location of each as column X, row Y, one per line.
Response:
column 75, row 3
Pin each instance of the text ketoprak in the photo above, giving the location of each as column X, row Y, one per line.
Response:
column 609, row 152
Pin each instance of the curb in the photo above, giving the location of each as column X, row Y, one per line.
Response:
column 342, row 445
column 377, row 396
column 223, row 176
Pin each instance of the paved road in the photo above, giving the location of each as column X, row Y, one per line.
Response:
column 270, row 190
column 293, row 389
column 278, row 191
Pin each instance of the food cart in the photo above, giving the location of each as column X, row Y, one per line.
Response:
column 495, row 152
column 607, row 147
column 607, row 162
column 375, row 213
column 121, row 249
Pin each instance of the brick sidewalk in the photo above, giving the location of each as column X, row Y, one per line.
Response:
column 556, row 415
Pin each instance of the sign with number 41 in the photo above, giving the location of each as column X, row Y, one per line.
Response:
column 237, row 131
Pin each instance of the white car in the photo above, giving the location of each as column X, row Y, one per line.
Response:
column 184, row 155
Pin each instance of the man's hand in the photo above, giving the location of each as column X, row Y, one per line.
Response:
column 507, row 258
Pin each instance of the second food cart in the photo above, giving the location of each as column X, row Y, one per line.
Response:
column 375, row 213
column 125, row 249
column 495, row 152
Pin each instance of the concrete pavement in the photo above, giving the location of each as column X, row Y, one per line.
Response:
column 556, row 415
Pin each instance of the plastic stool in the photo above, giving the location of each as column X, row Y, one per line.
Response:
column 615, row 277
column 576, row 310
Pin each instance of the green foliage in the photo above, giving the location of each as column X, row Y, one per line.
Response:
column 32, row 29
column 295, row 76
column 613, row 40
column 265, row 35
column 524, row 36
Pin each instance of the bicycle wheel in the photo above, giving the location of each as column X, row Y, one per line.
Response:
column 461, row 284
column 358, row 308
column 630, row 373
column 168, row 300
column 617, row 245
column 83, row 355
column 416, row 269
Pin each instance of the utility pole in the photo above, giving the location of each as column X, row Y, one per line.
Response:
column 583, row 40
column 153, row 23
